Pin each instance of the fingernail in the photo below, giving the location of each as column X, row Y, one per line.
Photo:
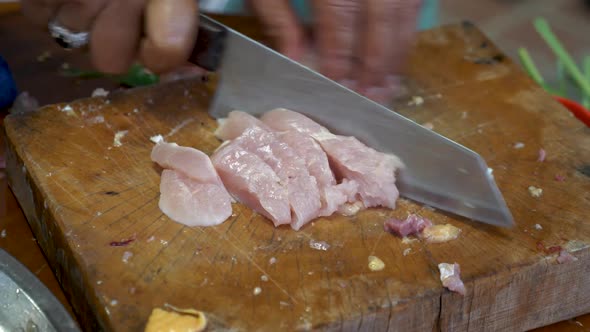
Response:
column 171, row 23
column 351, row 84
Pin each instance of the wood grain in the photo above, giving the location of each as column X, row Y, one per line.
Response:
column 79, row 194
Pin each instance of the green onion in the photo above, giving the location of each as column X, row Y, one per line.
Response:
column 529, row 66
column 545, row 31
column 586, row 98
column 531, row 69
column 561, row 77
column 137, row 75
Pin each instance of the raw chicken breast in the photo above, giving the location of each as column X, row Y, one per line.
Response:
column 337, row 198
column 332, row 195
column 304, row 195
column 253, row 182
column 281, row 119
column 190, row 202
column 235, row 124
column 312, row 154
column 304, row 146
column 191, row 192
column 192, row 162
column 372, row 170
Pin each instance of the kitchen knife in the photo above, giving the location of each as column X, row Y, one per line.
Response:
column 256, row 79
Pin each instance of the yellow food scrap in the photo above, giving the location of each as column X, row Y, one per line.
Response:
column 440, row 233
column 416, row 100
column 535, row 192
column 168, row 321
column 376, row 264
column 43, row 56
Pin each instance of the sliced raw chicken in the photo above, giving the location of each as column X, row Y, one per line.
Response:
column 191, row 191
column 304, row 196
column 192, row 162
column 341, row 198
column 253, row 182
column 235, row 124
column 190, row 202
column 281, row 119
column 332, row 196
column 372, row 170
column 315, row 158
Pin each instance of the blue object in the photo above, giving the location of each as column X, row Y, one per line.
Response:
column 8, row 91
column 428, row 17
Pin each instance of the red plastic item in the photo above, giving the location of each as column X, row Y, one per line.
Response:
column 577, row 110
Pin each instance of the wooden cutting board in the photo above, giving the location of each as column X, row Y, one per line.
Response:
column 81, row 193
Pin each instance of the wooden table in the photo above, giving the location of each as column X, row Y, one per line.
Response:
column 35, row 76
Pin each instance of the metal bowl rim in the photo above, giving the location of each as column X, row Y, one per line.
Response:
column 49, row 305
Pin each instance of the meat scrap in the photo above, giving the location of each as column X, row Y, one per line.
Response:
column 422, row 227
column 535, row 192
column 412, row 225
column 122, row 243
column 548, row 250
column 440, row 233
column 450, row 276
column 542, row 155
column 565, row 257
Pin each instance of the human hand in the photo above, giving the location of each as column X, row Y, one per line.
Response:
column 361, row 44
column 159, row 33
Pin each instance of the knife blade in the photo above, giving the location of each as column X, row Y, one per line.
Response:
column 439, row 172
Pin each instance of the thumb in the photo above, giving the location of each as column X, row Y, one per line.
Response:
column 281, row 24
column 171, row 29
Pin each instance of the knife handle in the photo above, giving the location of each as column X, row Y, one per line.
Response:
column 210, row 44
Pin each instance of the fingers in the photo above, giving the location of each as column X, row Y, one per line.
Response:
column 405, row 13
column 115, row 35
column 363, row 44
column 335, row 32
column 116, row 28
column 171, row 28
column 281, row 24
column 78, row 15
column 186, row 71
column 377, row 43
column 39, row 11
column 390, row 26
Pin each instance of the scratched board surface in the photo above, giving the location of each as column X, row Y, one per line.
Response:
column 83, row 176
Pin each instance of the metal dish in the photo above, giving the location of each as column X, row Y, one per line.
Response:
column 26, row 304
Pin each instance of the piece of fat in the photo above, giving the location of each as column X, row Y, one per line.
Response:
column 157, row 138
column 440, row 233
column 167, row 321
column 118, row 137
